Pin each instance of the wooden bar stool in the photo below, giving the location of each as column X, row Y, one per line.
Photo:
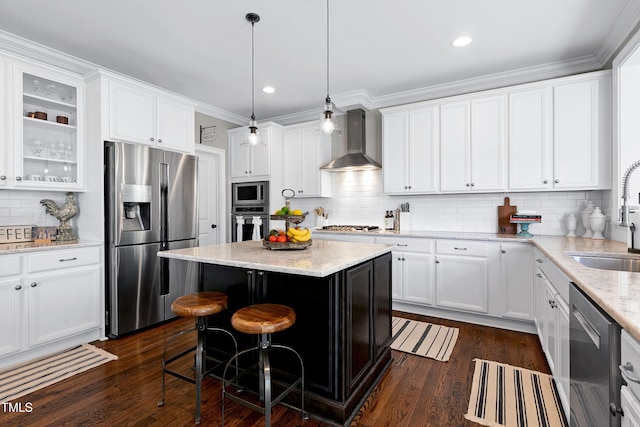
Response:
column 263, row 320
column 198, row 305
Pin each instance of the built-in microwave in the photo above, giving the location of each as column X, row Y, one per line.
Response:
column 250, row 194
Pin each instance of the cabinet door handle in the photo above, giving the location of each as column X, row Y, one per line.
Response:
column 539, row 260
column 409, row 187
column 504, row 251
column 468, row 184
column 625, row 371
column 3, row 177
column 67, row 259
column 546, row 181
column 539, row 275
column 437, row 261
column 460, row 249
column 399, row 259
column 556, row 181
column 402, row 244
column 160, row 140
column 552, row 303
column 18, row 178
column 18, row 287
column 151, row 139
column 34, row 284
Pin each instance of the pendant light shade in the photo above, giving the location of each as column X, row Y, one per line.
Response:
column 252, row 137
column 327, row 124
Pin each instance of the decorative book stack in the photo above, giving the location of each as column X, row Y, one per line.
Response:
column 524, row 219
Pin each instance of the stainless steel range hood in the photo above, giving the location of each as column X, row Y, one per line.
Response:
column 355, row 159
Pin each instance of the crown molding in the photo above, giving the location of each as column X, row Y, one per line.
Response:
column 221, row 114
column 625, row 27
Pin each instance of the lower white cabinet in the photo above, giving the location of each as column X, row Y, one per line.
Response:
column 413, row 269
column 630, row 392
column 462, row 275
column 631, row 407
column 49, row 301
column 552, row 322
column 516, row 280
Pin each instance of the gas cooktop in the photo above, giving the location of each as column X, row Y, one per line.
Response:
column 350, row 227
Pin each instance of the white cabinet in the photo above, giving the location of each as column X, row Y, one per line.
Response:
column 559, row 135
column 50, row 300
column 631, row 407
column 48, row 129
column 516, row 279
column 462, row 276
column 304, row 153
column 413, row 269
column 531, row 139
column 581, row 140
column 552, row 321
column 5, row 141
column 252, row 161
column 410, row 141
column 142, row 115
column 472, row 144
column 630, row 393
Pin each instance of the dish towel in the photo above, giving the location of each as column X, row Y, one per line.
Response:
column 240, row 223
column 257, row 223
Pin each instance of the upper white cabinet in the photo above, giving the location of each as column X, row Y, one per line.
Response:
column 581, row 141
column 47, row 135
column 304, row 153
column 5, row 153
column 530, row 139
column 472, row 144
column 252, row 161
column 410, row 149
column 559, row 134
column 144, row 115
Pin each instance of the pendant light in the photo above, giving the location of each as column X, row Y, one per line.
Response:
column 327, row 124
column 253, row 133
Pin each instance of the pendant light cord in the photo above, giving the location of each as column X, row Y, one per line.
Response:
column 328, row 99
column 253, row 115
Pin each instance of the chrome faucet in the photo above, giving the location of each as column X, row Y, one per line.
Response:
column 625, row 193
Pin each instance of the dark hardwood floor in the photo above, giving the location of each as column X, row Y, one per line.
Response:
column 414, row 392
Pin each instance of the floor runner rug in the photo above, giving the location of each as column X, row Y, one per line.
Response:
column 504, row 395
column 21, row 380
column 423, row 339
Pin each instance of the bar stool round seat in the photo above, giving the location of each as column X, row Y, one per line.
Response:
column 263, row 320
column 199, row 305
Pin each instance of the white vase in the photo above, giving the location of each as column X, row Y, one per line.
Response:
column 597, row 223
column 586, row 213
column 571, row 225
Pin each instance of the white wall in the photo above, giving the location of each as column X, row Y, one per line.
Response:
column 357, row 198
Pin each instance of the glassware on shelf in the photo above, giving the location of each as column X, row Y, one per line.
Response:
column 35, row 84
column 45, row 169
column 69, row 149
column 53, row 149
column 62, row 150
column 37, row 145
column 50, row 88
column 63, row 93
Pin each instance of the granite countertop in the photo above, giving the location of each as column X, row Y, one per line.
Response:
column 322, row 258
column 22, row 247
column 455, row 235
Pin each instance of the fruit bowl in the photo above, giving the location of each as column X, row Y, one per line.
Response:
column 286, row 245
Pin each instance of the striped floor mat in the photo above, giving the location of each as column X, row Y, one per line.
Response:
column 18, row 381
column 423, row 339
column 503, row 395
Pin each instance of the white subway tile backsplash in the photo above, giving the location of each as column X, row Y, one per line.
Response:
column 358, row 198
column 18, row 207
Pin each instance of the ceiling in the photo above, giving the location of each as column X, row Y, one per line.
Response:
column 381, row 53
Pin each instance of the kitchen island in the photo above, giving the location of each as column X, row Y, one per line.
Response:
column 341, row 293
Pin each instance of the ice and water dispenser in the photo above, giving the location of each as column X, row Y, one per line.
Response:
column 137, row 207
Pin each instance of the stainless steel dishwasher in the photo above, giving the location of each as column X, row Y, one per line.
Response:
column 595, row 358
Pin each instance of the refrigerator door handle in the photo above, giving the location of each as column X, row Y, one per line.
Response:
column 164, row 276
column 164, row 202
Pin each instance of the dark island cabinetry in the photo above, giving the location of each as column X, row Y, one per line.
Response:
column 342, row 330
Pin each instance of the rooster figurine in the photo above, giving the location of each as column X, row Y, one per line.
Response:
column 64, row 215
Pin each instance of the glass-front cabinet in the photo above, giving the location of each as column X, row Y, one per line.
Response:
column 48, row 129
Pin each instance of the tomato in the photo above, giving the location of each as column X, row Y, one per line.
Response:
column 281, row 233
column 272, row 238
column 281, row 238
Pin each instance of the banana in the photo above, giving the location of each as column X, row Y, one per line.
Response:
column 305, row 236
column 296, row 232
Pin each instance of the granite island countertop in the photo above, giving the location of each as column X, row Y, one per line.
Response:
column 322, row 258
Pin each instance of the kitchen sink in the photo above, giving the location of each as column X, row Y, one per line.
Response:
column 606, row 262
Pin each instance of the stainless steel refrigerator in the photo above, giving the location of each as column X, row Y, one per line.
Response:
column 151, row 206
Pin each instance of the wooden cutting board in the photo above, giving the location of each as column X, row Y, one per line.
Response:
column 504, row 212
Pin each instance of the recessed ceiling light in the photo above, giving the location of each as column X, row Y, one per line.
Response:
column 461, row 41
column 268, row 89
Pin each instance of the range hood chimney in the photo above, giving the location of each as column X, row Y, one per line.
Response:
column 355, row 159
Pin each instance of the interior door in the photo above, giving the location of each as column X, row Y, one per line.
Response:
column 211, row 224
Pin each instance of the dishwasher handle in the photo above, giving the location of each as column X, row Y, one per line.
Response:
column 587, row 327
column 626, row 370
